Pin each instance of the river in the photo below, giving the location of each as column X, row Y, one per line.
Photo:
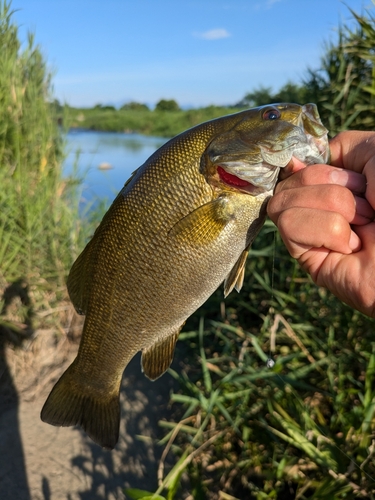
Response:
column 122, row 152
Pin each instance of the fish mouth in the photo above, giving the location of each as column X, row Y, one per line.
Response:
column 313, row 150
column 261, row 177
column 316, row 148
column 249, row 158
column 252, row 179
column 233, row 181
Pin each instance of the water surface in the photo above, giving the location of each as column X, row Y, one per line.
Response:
column 124, row 152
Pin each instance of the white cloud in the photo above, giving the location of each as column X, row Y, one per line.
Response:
column 266, row 5
column 215, row 34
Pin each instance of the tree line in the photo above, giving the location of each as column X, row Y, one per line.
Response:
column 343, row 86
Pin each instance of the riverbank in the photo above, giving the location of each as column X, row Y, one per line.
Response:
column 39, row 461
column 144, row 121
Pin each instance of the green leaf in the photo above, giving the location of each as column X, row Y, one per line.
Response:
column 206, row 371
column 136, row 494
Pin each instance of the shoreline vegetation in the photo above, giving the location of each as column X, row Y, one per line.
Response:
column 301, row 428
column 343, row 87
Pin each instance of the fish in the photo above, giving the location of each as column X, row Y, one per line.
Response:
column 182, row 225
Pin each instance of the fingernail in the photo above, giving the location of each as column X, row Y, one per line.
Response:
column 354, row 242
column 363, row 208
column 352, row 180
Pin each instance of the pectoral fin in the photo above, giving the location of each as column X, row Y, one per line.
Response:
column 236, row 276
column 203, row 225
column 157, row 358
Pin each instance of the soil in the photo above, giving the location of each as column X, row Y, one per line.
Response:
column 42, row 462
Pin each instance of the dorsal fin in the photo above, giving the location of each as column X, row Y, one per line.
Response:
column 157, row 358
column 79, row 278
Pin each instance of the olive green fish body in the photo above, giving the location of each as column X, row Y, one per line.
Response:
column 182, row 225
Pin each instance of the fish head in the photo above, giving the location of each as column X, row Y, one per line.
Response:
column 249, row 156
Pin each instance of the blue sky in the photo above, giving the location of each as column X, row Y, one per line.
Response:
column 198, row 52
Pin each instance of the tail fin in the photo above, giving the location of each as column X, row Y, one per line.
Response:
column 71, row 404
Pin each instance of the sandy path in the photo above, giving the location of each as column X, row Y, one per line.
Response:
column 42, row 462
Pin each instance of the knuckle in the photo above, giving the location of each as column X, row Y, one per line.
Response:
column 280, row 186
column 341, row 200
column 305, row 176
column 286, row 224
column 277, row 204
column 314, row 174
column 337, row 225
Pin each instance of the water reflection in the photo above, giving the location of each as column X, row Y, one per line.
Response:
column 128, row 142
column 123, row 152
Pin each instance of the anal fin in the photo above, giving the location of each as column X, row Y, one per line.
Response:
column 236, row 276
column 157, row 358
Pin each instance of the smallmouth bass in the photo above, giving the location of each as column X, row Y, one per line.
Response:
column 182, row 224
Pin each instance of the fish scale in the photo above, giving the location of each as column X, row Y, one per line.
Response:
column 175, row 232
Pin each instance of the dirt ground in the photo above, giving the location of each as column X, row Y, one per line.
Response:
column 42, row 462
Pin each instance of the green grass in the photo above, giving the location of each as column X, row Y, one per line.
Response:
column 40, row 231
column 303, row 428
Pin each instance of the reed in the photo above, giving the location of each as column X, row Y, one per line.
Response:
column 344, row 85
column 40, row 231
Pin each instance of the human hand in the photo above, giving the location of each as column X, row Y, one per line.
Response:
column 325, row 215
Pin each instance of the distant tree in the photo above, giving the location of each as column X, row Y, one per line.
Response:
column 167, row 105
column 313, row 84
column 291, row 92
column 108, row 108
column 211, row 108
column 258, row 97
column 135, row 106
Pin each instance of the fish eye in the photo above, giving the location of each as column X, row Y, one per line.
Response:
column 271, row 114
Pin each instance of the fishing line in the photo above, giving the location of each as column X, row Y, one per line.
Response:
column 272, row 345
column 270, row 364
